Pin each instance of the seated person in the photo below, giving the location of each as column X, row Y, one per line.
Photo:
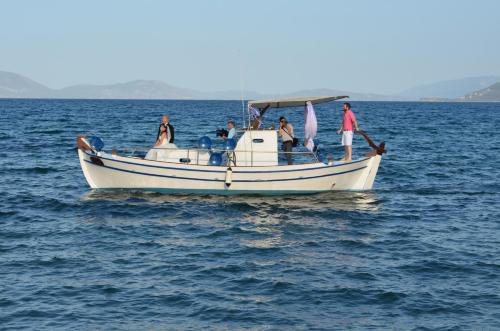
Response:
column 160, row 150
column 165, row 122
column 232, row 130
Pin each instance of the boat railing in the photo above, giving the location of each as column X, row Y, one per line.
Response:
column 299, row 157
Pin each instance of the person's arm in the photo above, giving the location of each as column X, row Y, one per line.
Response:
column 158, row 134
column 355, row 122
column 339, row 131
column 290, row 131
column 158, row 137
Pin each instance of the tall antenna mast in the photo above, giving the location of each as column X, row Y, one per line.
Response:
column 241, row 89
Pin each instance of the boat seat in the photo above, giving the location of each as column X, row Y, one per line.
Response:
column 160, row 153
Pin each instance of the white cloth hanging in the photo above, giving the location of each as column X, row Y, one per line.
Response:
column 310, row 126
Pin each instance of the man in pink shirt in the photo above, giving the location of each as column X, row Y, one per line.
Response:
column 348, row 123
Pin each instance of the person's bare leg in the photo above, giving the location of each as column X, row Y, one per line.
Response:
column 345, row 153
column 348, row 153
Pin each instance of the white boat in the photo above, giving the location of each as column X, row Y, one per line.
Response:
column 250, row 167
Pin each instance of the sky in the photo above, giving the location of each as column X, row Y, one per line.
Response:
column 269, row 46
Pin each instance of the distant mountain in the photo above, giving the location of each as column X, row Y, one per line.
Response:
column 231, row 95
column 252, row 95
column 355, row 96
column 491, row 93
column 449, row 89
column 137, row 89
column 16, row 86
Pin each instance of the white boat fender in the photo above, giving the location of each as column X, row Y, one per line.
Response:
column 229, row 176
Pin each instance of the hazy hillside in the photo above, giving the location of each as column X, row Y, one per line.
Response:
column 138, row 89
column 16, row 86
column 252, row 95
column 449, row 89
column 356, row 96
column 491, row 93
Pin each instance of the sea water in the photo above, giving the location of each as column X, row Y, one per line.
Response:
column 420, row 251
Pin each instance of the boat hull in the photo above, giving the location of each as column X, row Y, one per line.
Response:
column 106, row 171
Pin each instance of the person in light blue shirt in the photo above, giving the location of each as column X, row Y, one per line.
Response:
column 232, row 130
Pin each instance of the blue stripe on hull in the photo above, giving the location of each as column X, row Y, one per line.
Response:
column 223, row 171
column 222, row 180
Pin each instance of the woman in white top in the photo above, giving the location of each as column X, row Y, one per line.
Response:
column 160, row 149
column 163, row 138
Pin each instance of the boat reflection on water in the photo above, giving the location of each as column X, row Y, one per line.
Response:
column 340, row 201
column 258, row 222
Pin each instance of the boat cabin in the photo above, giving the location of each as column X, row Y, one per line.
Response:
column 253, row 148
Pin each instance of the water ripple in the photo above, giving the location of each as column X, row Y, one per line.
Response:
column 419, row 252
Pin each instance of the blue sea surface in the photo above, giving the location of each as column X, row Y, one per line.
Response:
column 419, row 252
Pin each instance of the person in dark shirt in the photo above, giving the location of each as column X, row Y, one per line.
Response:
column 285, row 131
column 165, row 122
